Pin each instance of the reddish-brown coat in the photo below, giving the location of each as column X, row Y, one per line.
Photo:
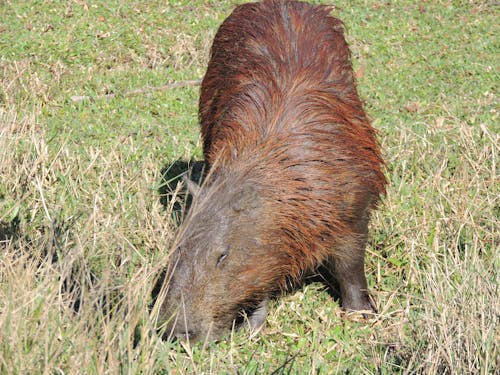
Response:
column 282, row 106
column 294, row 170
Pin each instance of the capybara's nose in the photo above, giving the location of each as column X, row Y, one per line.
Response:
column 189, row 334
column 181, row 334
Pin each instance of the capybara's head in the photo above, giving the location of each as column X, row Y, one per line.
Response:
column 219, row 274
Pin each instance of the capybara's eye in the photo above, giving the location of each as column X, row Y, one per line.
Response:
column 222, row 257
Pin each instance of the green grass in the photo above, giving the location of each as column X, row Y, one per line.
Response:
column 80, row 185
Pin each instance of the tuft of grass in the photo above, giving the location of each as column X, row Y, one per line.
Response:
column 89, row 199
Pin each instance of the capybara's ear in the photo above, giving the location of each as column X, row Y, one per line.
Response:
column 192, row 187
column 245, row 199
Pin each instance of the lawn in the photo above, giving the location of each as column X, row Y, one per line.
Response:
column 88, row 212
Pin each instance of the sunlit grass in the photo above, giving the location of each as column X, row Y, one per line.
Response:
column 84, row 231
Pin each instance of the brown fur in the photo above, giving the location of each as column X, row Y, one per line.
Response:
column 295, row 168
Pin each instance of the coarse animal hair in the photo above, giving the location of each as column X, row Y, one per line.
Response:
column 294, row 164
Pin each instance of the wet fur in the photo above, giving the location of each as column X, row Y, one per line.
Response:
column 294, row 166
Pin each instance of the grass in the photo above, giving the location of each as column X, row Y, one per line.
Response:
column 83, row 231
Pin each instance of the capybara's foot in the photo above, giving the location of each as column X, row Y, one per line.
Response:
column 257, row 318
column 358, row 301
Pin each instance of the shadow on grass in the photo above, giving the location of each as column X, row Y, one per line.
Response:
column 174, row 197
column 325, row 276
column 9, row 231
column 47, row 246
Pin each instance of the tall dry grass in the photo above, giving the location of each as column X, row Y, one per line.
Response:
column 75, row 281
column 83, row 235
column 442, row 217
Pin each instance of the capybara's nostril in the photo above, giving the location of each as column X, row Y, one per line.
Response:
column 190, row 335
column 180, row 334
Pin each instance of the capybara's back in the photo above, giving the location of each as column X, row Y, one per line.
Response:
column 294, row 171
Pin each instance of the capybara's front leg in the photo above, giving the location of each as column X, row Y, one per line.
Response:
column 350, row 274
column 349, row 269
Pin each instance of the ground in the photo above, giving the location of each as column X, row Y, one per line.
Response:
column 85, row 224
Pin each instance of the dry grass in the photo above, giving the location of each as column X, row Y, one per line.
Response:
column 74, row 284
column 83, row 232
column 450, row 243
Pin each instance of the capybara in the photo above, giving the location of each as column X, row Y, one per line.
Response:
column 294, row 170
